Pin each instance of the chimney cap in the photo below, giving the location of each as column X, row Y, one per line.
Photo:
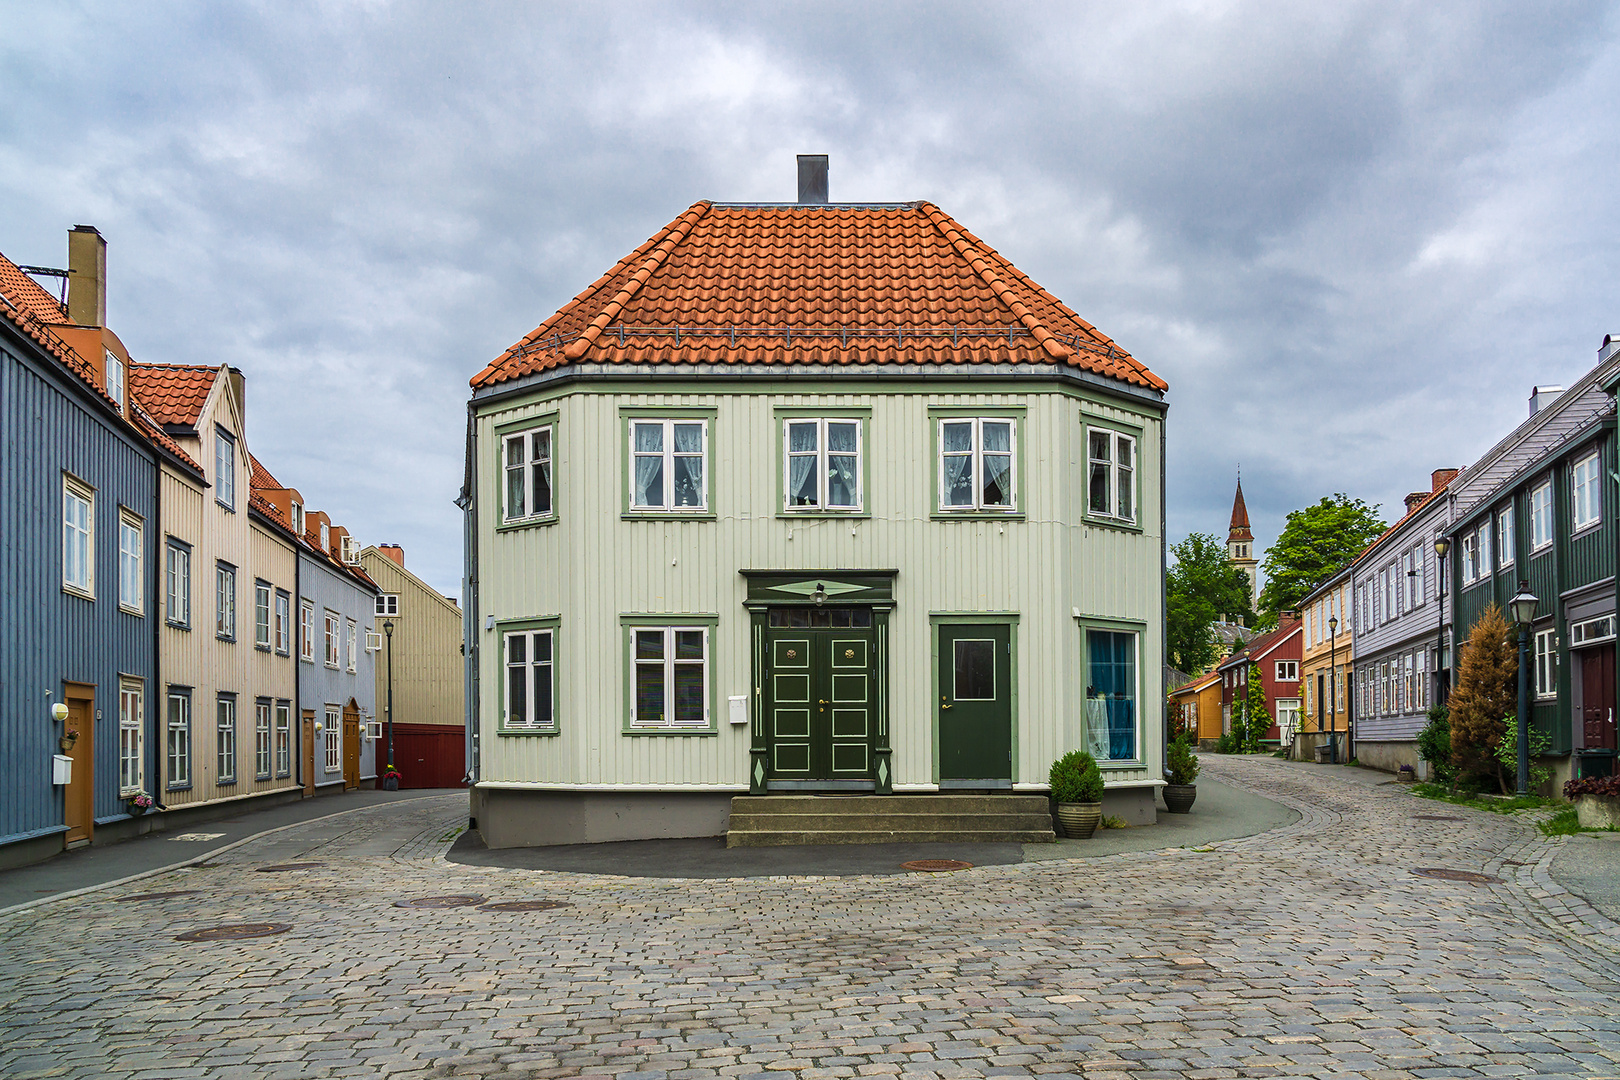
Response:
column 813, row 178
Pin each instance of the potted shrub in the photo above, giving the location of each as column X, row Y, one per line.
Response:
column 391, row 779
column 67, row 739
column 139, row 803
column 1180, row 770
column 1077, row 788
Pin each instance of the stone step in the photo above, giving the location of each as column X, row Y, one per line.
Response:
column 784, row 837
column 890, row 822
column 890, row 804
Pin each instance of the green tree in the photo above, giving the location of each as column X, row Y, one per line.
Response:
column 1258, row 720
column 1199, row 586
column 1486, row 695
column 1316, row 543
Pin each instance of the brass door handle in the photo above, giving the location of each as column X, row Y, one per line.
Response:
column 822, row 700
column 944, row 706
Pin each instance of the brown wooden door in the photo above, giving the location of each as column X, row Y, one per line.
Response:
column 351, row 748
column 309, row 752
column 1597, row 698
column 78, row 799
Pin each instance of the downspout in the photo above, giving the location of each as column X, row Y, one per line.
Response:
column 156, row 713
column 295, row 617
column 469, row 632
column 1164, row 603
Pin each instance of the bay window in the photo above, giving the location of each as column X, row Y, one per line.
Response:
column 1111, row 474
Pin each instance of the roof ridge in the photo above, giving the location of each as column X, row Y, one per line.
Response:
column 953, row 235
column 677, row 231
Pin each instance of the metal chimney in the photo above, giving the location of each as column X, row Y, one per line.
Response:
column 1610, row 346
column 1542, row 396
column 812, row 178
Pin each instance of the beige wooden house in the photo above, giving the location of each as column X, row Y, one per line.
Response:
column 808, row 498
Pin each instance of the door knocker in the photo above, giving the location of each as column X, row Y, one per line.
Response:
column 849, row 654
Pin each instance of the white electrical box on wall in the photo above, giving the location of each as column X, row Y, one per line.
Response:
column 739, row 709
column 61, row 769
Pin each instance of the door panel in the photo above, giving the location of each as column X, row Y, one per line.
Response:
column 820, row 708
column 78, row 798
column 975, row 701
column 1597, row 698
column 351, row 749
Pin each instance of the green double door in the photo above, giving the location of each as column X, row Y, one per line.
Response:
column 975, row 702
column 821, row 709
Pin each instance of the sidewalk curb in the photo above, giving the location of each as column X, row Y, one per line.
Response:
column 171, row 867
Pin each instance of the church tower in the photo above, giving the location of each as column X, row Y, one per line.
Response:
column 1240, row 546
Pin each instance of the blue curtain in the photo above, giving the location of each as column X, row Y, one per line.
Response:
column 1113, row 681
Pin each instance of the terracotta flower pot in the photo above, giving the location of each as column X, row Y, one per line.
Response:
column 1079, row 820
column 66, row 743
column 136, row 811
column 1178, row 798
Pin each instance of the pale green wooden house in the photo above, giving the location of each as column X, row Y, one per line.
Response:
column 808, row 498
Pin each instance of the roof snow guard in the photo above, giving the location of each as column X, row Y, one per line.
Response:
column 830, row 284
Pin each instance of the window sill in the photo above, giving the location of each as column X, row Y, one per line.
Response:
column 178, row 787
column 517, row 734
column 1100, row 522
column 976, row 515
column 226, row 637
column 262, row 776
column 1578, row 531
column 82, row 594
column 526, row 523
column 231, row 782
column 284, row 652
column 261, row 648
column 223, row 505
column 789, row 515
column 671, row 515
column 667, row 734
column 139, row 613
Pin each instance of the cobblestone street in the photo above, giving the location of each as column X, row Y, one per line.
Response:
column 1309, row 950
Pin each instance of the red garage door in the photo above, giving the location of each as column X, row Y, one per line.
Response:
column 430, row 755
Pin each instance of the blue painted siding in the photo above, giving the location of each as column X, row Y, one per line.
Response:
column 319, row 685
column 50, row 423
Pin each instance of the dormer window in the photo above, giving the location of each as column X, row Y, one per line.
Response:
column 350, row 551
column 326, row 537
column 298, row 518
column 224, row 469
column 115, row 379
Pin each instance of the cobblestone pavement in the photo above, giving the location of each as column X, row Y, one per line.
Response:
column 1310, row 950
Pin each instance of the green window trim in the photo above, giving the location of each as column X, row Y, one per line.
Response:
column 1089, row 423
column 518, row 626
column 780, row 418
column 1017, row 416
column 505, row 431
column 1088, row 623
column 628, row 624
column 628, row 416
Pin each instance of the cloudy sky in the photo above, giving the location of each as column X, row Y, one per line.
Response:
column 1351, row 236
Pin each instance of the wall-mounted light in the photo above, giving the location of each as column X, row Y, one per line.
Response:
column 820, row 595
column 59, row 712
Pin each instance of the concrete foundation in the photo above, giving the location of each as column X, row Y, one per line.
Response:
column 518, row 818
column 1390, row 756
column 1136, row 806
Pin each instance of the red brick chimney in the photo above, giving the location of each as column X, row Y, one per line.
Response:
column 1441, row 477
column 395, row 552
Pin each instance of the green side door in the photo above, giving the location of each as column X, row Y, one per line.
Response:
column 975, row 701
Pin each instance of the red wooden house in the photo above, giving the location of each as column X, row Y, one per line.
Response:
column 1274, row 659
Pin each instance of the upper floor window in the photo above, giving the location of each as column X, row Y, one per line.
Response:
column 298, row 518
column 261, row 614
column 353, row 645
column 306, row 630
column 388, row 604
column 822, row 459
column 1470, row 556
column 1541, row 515
column 668, row 465
column 1583, row 490
column 78, row 536
column 1504, row 537
column 177, row 574
column 115, row 379
column 1413, row 567
column 1547, row 663
column 131, row 560
column 976, row 459
column 1111, row 472
column 283, row 622
column 349, row 550
column 1483, row 546
column 1288, row 671
column 332, row 633
column 225, row 600
column 326, row 538
column 528, row 464
column 224, row 469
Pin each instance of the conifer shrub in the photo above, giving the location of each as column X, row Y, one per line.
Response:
column 1075, row 778
column 1486, row 694
column 1180, row 763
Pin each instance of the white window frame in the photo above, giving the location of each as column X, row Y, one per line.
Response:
column 1505, row 547
column 177, row 737
column 1121, row 477
column 326, row 538
column 131, row 733
column 131, row 562
column 306, row 631
column 529, row 670
column 332, row 740
column 283, row 622
column 1585, row 493
column 1287, row 671
column 225, row 601
column 353, row 642
column 976, row 454
column 115, row 377
column 1288, row 713
column 78, row 537
column 283, row 749
column 668, row 456
column 263, row 595
column 1545, row 654
column 821, row 464
column 263, row 753
column 1470, row 557
column 1412, row 578
column 1591, row 631
column 224, row 469
column 388, row 605
column 521, row 469
column 1541, row 523
column 669, row 663
column 332, row 635
column 177, row 583
column 225, row 739
column 349, row 550
column 298, row 518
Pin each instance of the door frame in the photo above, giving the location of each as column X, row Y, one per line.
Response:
column 798, row 588
column 351, row 722
column 936, row 619
column 83, row 754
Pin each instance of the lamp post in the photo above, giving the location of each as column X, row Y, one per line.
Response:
column 1524, row 613
column 1441, row 547
column 388, row 632
column 1333, row 701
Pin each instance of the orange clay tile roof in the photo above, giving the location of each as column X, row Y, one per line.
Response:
column 824, row 285
column 172, row 393
column 149, row 427
column 260, row 478
column 34, row 311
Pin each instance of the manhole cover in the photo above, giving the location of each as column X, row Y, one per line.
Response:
column 1437, row 817
column 279, row 868
column 1456, row 875
column 235, row 931
column 936, row 866
column 156, row 895
column 466, row 900
column 526, row 905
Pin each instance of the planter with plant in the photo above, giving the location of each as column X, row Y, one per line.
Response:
column 1181, row 774
column 1077, row 788
column 391, row 779
column 139, row 803
column 1597, row 801
column 68, row 738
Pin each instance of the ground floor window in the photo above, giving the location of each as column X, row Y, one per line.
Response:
column 1546, row 663
column 261, row 739
column 1287, row 717
column 283, row 738
column 530, row 683
column 179, row 737
column 1111, row 693
column 225, row 714
column 333, row 738
column 671, row 680
column 131, row 722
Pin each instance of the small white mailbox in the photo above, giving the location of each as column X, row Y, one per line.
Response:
column 61, row 769
column 739, row 709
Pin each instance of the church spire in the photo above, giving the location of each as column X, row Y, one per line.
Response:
column 1240, row 517
column 1240, row 544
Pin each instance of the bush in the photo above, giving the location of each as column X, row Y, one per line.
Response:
column 1180, row 764
column 1434, row 745
column 1507, row 752
column 1487, row 691
column 1231, row 742
column 1075, row 778
column 1592, row 785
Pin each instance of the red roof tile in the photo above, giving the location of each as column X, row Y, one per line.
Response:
column 260, row 478
column 172, row 393
column 816, row 285
column 31, row 309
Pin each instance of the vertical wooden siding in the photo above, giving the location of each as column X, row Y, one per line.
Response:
column 319, row 685
column 428, row 670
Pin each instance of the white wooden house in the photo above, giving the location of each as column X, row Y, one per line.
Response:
column 807, row 497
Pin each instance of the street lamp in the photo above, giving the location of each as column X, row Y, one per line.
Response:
column 1523, row 606
column 1441, row 547
column 1333, row 700
column 388, row 632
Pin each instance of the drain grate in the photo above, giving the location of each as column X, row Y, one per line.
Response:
column 936, row 866
column 1456, row 875
column 1513, row 862
column 526, row 905
column 281, row 868
column 1436, row 817
column 235, row 931
column 155, row 896
column 462, row 900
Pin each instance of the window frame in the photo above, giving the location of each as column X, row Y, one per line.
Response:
column 224, row 479
column 861, row 418
column 332, row 638
column 1541, row 515
column 281, row 635
column 938, row 417
column 1468, row 555
column 131, row 736
column 1139, row 632
column 131, row 577
column 1545, row 663
column 283, row 737
column 177, row 551
column 628, row 625
column 504, row 630
column 1593, row 484
column 1506, row 542
column 177, row 738
column 263, row 740
column 527, row 429
column 262, row 589
column 113, row 362
column 224, row 601
column 628, row 419
column 1117, row 431
column 306, row 630
column 352, row 646
column 1286, row 671
column 383, row 602
column 225, row 705
column 332, row 740
column 77, row 536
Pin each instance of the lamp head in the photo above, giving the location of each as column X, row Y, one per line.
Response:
column 1523, row 605
column 1441, row 546
column 1333, row 624
column 820, row 595
column 388, row 627
column 59, row 712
